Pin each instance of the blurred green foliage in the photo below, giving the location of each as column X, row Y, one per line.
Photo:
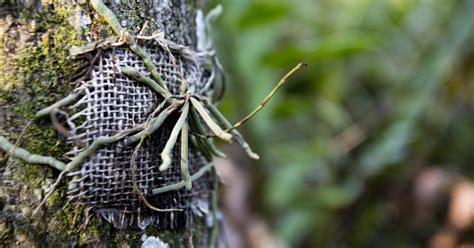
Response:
column 388, row 88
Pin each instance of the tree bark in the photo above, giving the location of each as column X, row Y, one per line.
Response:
column 35, row 37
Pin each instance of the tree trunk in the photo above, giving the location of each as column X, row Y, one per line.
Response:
column 36, row 70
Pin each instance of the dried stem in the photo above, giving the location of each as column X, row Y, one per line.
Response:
column 269, row 96
column 51, row 191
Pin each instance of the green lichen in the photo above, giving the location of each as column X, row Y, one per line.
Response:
column 36, row 76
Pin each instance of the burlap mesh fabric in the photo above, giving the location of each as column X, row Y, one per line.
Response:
column 110, row 103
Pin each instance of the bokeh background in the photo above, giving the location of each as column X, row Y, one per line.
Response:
column 372, row 144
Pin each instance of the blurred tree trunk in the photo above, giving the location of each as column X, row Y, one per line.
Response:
column 35, row 37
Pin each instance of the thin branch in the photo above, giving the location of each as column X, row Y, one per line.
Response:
column 269, row 96
column 51, row 191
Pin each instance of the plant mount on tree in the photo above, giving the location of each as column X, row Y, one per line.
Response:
column 195, row 112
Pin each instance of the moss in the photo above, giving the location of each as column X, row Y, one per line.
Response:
column 91, row 236
column 200, row 230
column 69, row 219
column 6, row 230
column 128, row 238
column 36, row 76
column 32, row 175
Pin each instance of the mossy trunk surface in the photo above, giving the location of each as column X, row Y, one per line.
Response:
column 35, row 37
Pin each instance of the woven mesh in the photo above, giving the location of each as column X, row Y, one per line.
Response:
column 111, row 103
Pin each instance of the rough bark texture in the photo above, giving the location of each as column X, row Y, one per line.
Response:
column 35, row 37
